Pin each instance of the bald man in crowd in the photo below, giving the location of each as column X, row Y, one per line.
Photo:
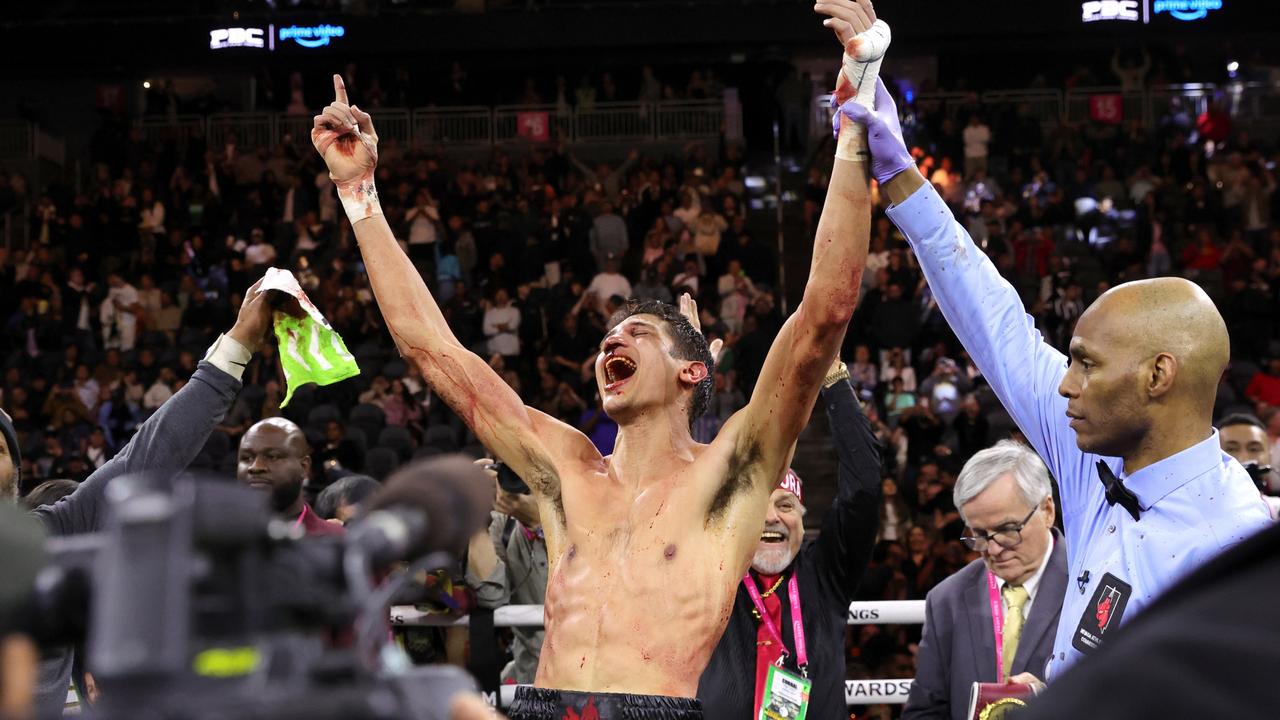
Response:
column 274, row 456
column 1125, row 423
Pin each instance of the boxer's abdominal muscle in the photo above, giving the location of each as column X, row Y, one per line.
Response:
column 640, row 593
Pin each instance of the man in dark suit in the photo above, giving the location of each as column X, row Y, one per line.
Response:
column 825, row 572
column 1004, row 495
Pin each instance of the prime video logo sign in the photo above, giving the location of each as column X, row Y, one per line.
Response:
column 1186, row 10
column 1093, row 11
column 312, row 36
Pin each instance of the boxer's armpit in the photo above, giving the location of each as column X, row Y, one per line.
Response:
column 543, row 480
column 738, row 478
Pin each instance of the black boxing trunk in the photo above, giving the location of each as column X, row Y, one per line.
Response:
column 533, row 703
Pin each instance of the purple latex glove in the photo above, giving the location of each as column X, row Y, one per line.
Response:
column 889, row 154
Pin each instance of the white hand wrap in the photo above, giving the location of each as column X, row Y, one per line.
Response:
column 861, row 69
column 852, row 143
column 360, row 200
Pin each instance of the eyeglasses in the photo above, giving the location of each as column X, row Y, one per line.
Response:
column 1006, row 537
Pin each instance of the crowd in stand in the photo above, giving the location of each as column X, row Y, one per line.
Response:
column 126, row 284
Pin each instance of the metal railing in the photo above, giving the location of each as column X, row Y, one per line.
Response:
column 1043, row 105
column 248, row 130
column 453, row 126
column 689, row 118
column 297, row 127
column 1248, row 102
column 17, row 139
column 615, row 121
column 394, row 124
column 856, row 692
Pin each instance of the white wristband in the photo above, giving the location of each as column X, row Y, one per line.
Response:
column 860, row 70
column 229, row 356
column 360, row 201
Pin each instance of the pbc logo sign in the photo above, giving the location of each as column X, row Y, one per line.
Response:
column 252, row 37
column 1097, row 10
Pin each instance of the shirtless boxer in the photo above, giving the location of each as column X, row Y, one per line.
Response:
column 646, row 546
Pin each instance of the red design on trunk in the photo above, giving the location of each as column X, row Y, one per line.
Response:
column 589, row 712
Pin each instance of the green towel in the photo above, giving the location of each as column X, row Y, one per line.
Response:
column 311, row 352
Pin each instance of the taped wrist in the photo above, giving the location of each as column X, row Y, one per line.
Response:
column 359, row 199
column 852, row 143
column 861, row 67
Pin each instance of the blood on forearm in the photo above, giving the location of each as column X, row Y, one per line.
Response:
column 844, row 229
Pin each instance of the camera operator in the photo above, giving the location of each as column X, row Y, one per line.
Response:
column 10, row 459
column 164, row 444
column 21, row 556
column 509, row 565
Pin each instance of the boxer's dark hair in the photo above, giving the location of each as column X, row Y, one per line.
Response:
column 687, row 344
column 1240, row 419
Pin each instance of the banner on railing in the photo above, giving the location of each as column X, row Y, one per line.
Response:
column 534, row 126
column 1106, row 108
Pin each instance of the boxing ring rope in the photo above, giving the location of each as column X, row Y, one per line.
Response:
column 856, row 692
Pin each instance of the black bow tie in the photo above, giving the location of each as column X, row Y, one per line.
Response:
column 1117, row 492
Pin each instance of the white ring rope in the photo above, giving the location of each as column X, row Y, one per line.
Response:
column 856, row 692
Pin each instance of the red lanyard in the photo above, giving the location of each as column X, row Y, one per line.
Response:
column 997, row 622
column 797, row 620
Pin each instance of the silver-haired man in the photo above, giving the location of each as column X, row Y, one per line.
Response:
column 996, row 617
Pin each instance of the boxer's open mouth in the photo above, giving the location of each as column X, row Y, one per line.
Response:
column 617, row 370
column 771, row 536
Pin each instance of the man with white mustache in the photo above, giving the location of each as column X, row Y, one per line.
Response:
column 812, row 583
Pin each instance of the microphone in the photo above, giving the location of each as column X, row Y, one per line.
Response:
column 1083, row 581
column 426, row 506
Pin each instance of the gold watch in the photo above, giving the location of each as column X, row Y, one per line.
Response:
column 838, row 373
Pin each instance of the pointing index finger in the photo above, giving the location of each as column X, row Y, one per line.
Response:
column 339, row 89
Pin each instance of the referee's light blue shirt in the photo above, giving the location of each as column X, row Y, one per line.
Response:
column 1194, row 504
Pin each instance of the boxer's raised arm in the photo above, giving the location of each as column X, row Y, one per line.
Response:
column 810, row 339
column 525, row 439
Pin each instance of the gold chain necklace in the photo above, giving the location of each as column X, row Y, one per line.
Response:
column 769, row 592
column 756, row 613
